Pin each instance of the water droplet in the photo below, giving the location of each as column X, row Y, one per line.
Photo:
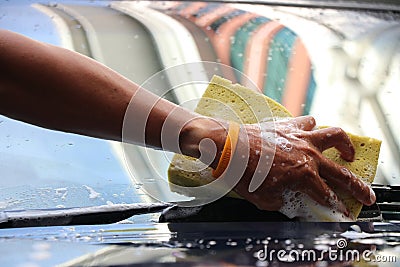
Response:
column 284, row 144
column 138, row 185
column 149, row 180
column 231, row 243
column 212, row 243
column 356, row 228
column 248, row 247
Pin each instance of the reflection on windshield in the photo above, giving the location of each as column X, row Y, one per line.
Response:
column 342, row 67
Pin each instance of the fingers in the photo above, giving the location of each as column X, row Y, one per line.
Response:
column 305, row 123
column 333, row 137
column 345, row 179
column 320, row 192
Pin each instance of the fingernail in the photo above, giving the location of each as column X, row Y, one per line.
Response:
column 342, row 208
column 349, row 215
column 346, row 212
column 372, row 196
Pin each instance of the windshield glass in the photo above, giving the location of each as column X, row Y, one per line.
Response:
column 340, row 65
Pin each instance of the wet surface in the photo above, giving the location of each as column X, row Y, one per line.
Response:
column 213, row 244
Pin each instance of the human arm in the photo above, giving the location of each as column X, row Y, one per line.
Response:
column 62, row 90
column 59, row 89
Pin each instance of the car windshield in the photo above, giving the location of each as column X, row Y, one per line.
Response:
column 339, row 64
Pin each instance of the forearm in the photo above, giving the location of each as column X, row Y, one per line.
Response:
column 59, row 89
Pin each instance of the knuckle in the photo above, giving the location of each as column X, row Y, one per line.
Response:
column 347, row 175
column 337, row 131
column 309, row 173
column 311, row 120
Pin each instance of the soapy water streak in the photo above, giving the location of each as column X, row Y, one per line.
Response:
column 184, row 78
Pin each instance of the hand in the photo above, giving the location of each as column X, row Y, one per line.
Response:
column 297, row 164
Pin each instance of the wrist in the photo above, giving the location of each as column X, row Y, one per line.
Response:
column 204, row 138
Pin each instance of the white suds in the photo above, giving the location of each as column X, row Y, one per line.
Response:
column 61, row 192
column 92, row 194
column 301, row 206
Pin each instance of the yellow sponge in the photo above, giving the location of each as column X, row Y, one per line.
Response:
column 228, row 101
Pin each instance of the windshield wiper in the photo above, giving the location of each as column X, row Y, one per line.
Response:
column 76, row 216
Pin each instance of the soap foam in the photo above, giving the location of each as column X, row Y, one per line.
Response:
column 301, row 206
